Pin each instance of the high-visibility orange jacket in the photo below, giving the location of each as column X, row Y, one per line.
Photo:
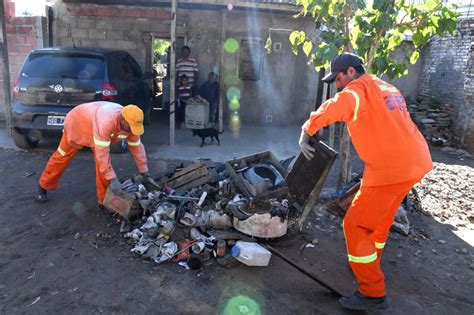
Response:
column 96, row 125
column 381, row 130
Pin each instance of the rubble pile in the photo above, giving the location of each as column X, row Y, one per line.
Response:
column 447, row 193
column 434, row 123
column 193, row 224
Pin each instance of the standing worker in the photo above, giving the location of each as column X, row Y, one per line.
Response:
column 395, row 154
column 96, row 125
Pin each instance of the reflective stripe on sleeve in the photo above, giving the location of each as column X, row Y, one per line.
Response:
column 379, row 245
column 101, row 143
column 363, row 259
column 384, row 87
column 134, row 143
column 61, row 151
column 356, row 109
column 122, row 136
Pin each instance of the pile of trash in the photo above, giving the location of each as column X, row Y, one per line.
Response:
column 199, row 212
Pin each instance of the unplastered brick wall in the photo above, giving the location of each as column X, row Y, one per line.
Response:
column 447, row 78
column 121, row 27
column 23, row 35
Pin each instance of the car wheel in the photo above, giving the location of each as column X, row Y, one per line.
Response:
column 147, row 112
column 22, row 141
column 119, row 147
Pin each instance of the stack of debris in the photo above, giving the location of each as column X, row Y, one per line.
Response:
column 191, row 215
column 434, row 123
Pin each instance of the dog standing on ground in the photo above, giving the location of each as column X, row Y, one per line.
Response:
column 207, row 132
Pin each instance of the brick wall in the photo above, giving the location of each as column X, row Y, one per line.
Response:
column 23, row 35
column 447, row 77
column 121, row 27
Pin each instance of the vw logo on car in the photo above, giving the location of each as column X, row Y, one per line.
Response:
column 58, row 88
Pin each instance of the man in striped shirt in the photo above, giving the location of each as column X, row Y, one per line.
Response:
column 187, row 66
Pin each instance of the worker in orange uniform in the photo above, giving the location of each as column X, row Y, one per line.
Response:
column 96, row 125
column 395, row 154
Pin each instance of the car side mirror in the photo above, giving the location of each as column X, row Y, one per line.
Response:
column 147, row 75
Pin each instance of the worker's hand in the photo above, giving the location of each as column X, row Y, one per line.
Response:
column 115, row 186
column 306, row 148
column 147, row 178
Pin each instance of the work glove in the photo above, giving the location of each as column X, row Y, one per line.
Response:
column 306, row 148
column 115, row 186
column 148, row 179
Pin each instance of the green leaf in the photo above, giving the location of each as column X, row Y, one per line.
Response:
column 417, row 39
column 297, row 37
column 307, row 47
column 379, row 4
column 414, row 57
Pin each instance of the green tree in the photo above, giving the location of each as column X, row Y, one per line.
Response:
column 160, row 48
column 372, row 31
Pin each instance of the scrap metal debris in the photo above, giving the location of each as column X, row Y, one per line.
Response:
column 191, row 215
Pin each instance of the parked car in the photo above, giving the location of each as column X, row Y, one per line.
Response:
column 54, row 80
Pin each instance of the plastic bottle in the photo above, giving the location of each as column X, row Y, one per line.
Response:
column 251, row 254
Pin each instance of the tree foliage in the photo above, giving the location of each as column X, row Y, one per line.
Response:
column 372, row 31
column 160, row 48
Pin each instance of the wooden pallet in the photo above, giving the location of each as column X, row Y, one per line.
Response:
column 189, row 177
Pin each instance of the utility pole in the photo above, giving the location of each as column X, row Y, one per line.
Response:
column 6, row 69
column 172, row 70
column 222, row 91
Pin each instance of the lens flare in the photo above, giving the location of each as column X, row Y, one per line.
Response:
column 233, row 93
column 242, row 304
column 235, row 124
column 230, row 7
column 231, row 45
column 234, row 105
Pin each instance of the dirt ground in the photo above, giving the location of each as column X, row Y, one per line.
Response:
column 66, row 256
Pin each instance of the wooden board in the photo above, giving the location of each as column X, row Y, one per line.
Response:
column 189, row 177
column 305, row 175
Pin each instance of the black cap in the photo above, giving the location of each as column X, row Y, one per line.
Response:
column 341, row 63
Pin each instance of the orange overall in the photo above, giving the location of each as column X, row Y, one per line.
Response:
column 395, row 156
column 95, row 125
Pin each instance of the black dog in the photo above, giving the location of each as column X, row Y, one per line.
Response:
column 208, row 132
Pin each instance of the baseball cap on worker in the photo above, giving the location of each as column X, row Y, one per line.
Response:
column 341, row 63
column 133, row 115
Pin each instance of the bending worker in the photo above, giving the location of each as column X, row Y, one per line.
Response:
column 96, row 125
column 395, row 155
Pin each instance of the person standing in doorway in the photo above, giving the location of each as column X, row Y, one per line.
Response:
column 187, row 66
column 184, row 94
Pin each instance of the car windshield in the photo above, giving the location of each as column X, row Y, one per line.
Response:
column 71, row 66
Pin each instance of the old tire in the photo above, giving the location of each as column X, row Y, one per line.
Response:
column 22, row 141
column 119, row 147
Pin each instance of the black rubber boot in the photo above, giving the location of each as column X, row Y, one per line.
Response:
column 360, row 302
column 41, row 194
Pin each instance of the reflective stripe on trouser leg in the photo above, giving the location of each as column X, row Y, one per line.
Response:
column 381, row 232
column 100, row 182
column 367, row 222
column 361, row 249
column 57, row 163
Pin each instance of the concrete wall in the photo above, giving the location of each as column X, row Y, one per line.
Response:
column 286, row 91
column 447, row 76
column 120, row 27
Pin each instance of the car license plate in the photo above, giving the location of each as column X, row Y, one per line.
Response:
column 55, row 121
